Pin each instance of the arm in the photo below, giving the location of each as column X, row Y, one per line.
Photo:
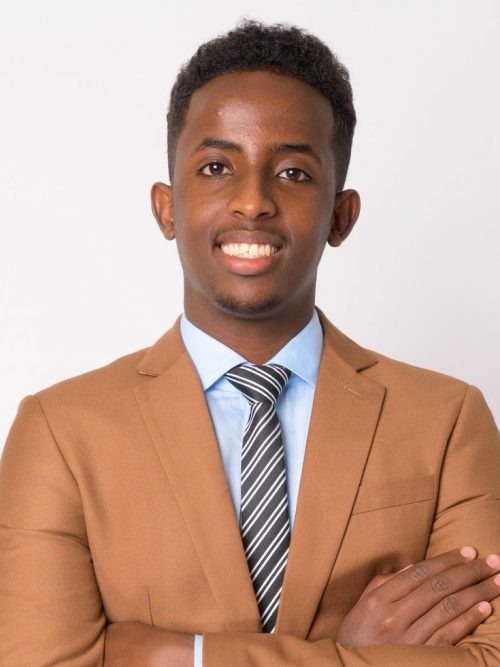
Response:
column 436, row 603
column 140, row 645
column 50, row 607
column 468, row 513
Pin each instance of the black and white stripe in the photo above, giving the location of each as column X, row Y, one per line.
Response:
column 264, row 520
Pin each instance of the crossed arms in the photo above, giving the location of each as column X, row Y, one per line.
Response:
column 436, row 603
column 51, row 612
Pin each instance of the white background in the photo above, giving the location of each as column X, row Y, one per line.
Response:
column 86, row 275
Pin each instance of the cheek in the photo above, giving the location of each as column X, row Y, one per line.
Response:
column 196, row 216
column 311, row 240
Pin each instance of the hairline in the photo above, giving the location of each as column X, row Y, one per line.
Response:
column 274, row 70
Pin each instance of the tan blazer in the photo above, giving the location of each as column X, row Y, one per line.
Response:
column 114, row 507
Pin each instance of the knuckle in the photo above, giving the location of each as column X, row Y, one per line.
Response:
column 450, row 558
column 388, row 622
column 469, row 620
column 410, row 638
column 484, row 588
column 452, row 606
column 419, row 572
column 387, row 625
column 441, row 638
column 440, row 584
column 476, row 569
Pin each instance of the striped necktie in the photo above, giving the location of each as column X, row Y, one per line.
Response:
column 264, row 519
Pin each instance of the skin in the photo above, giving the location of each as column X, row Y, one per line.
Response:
column 258, row 193
column 254, row 193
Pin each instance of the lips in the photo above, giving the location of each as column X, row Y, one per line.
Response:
column 248, row 259
column 248, row 244
column 248, row 251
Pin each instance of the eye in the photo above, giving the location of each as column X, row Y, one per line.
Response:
column 294, row 174
column 214, row 169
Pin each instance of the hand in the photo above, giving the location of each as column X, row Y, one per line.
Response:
column 141, row 645
column 436, row 602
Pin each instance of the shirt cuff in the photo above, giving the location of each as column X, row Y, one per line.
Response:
column 198, row 651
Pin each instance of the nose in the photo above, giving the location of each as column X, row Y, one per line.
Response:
column 252, row 198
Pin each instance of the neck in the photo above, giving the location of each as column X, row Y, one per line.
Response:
column 257, row 340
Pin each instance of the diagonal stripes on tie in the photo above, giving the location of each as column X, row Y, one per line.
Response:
column 264, row 519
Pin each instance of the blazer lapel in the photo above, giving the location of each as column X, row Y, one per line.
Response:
column 176, row 414
column 343, row 422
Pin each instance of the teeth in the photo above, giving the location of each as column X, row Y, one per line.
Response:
column 249, row 251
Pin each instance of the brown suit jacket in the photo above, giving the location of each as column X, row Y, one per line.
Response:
column 114, row 507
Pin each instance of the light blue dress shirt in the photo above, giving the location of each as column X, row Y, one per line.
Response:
column 229, row 409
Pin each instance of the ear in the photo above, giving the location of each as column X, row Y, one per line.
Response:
column 345, row 213
column 162, row 206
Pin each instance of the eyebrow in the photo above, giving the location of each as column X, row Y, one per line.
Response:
column 211, row 142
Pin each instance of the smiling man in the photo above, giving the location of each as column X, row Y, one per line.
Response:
column 255, row 488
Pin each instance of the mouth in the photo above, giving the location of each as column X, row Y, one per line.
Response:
column 248, row 253
column 249, row 250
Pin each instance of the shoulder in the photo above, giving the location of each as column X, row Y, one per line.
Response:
column 425, row 402
column 409, row 384
column 401, row 376
column 96, row 387
column 114, row 383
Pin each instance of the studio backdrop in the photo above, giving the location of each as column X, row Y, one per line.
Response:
column 86, row 275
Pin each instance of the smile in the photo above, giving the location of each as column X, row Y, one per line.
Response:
column 248, row 250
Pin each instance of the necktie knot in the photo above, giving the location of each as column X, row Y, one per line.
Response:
column 259, row 383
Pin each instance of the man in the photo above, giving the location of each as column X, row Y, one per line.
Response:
column 254, row 478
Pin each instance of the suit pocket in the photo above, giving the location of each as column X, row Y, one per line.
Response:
column 391, row 494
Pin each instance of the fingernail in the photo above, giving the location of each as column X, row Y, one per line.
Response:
column 484, row 607
column 496, row 580
column 468, row 552
column 493, row 561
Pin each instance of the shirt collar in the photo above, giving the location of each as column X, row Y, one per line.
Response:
column 212, row 359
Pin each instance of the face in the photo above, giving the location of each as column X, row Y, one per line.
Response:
column 254, row 199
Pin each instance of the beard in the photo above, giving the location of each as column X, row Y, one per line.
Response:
column 241, row 306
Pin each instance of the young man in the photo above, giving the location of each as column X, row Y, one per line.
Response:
column 254, row 478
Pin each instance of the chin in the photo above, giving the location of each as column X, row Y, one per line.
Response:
column 241, row 306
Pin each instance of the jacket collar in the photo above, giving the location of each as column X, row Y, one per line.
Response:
column 165, row 352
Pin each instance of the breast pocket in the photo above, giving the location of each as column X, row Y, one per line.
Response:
column 393, row 494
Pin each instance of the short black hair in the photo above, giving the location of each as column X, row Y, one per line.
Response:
column 279, row 48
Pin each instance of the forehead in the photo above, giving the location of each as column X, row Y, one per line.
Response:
column 258, row 108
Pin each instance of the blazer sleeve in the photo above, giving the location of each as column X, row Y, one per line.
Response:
column 468, row 512
column 50, row 607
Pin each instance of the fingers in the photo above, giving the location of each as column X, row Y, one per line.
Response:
column 413, row 577
column 437, row 601
column 379, row 580
column 451, row 633
column 451, row 592
column 461, row 578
